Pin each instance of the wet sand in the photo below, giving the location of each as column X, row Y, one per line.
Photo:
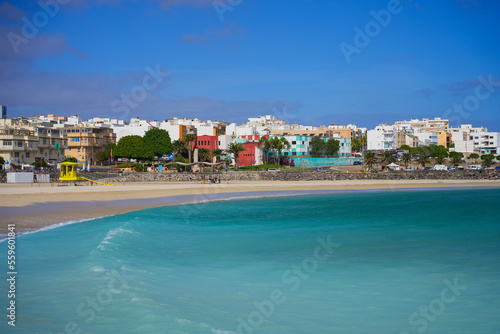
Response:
column 32, row 207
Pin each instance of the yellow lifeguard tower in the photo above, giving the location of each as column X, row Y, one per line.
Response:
column 68, row 173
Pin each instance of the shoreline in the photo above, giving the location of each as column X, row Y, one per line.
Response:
column 37, row 207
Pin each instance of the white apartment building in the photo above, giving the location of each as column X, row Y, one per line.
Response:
column 136, row 127
column 383, row 138
column 485, row 142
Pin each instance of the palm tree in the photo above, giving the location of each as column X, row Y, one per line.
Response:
column 370, row 159
column 266, row 145
column 423, row 159
column 278, row 145
column 188, row 139
column 406, row 158
column 440, row 158
column 387, row 158
column 236, row 149
column 204, row 154
column 179, row 146
column 217, row 153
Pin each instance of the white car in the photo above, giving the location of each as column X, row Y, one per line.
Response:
column 440, row 167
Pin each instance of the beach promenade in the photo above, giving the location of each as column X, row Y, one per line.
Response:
column 32, row 207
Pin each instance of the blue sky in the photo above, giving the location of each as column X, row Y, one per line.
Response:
column 285, row 57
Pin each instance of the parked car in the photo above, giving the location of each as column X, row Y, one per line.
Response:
column 440, row 167
column 356, row 163
column 273, row 170
column 474, row 167
column 321, row 169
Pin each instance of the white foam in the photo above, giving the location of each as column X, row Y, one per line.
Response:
column 53, row 226
column 220, row 331
column 183, row 321
column 111, row 234
column 97, row 268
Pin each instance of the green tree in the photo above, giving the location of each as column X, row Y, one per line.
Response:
column 266, row 145
column 204, row 154
column 180, row 148
column 180, row 158
column 423, row 160
column 70, row 159
column 109, row 150
column 2, row 160
column 405, row 148
column 189, row 139
column 41, row 163
column 130, row 147
column 317, row 147
column 101, row 156
column 456, row 158
column 370, row 159
column 278, row 145
column 157, row 143
column 387, row 158
column 332, row 147
column 236, row 149
column 474, row 157
column 406, row 158
column 487, row 159
column 217, row 154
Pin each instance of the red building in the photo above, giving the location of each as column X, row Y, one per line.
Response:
column 208, row 142
column 252, row 155
column 248, row 157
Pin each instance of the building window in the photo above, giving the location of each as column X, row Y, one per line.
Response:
column 16, row 154
column 75, row 140
column 19, row 144
column 27, row 154
column 78, row 150
column 7, row 142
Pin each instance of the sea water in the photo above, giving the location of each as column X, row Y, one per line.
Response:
column 370, row 262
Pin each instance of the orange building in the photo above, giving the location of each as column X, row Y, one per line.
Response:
column 444, row 138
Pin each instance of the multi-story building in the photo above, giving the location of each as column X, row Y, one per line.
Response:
column 468, row 139
column 84, row 142
column 383, row 138
column 485, row 142
column 24, row 143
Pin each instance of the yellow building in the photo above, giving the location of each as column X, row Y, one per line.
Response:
column 84, row 142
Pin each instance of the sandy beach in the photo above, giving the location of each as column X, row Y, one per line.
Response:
column 32, row 207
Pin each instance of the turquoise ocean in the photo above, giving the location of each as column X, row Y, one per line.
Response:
column 358, row 262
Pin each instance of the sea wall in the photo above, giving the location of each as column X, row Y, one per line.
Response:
column 305, row 176
column 320, row 162
column 283, row 176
